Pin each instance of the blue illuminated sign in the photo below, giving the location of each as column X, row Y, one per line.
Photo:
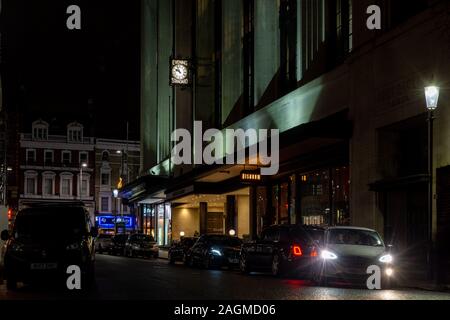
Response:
column 109, row 221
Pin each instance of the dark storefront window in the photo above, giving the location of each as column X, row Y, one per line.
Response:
column 315, row 197
column 148, row 220
column 341, row 192
column 293, row 199
column 261, row 206
column 284, row 203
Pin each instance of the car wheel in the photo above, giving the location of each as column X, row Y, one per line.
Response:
column 11, row 283
column 276, row 266
column 243, row 265
column 387, row 283
column 191, row 262
column 207, row 262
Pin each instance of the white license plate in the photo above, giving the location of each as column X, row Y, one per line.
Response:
column 44, row 266
column 235, row 261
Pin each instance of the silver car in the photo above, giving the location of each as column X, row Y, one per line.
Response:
column 352, row 254
column 103, row 243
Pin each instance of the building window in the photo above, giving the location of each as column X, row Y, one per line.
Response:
column 31, row 155
column 350, row 25
column 30, row 183
column 66, row 157
column 75, row 132
column 40, row 130
column 104, row 206
column 84, row 157
column 48, row 186
column 105, row 177
column 85, row 185
column 48, row 157
column 48, row 183
column 105, row 156
column 66, row 185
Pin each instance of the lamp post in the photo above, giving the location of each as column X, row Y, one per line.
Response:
column 80, row 188
column 432, row 98
column 116, row 197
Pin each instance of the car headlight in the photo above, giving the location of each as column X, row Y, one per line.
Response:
column 73, row 246
column 386, row 258
column 16, row 247
column 328, row 255
column 216, row 252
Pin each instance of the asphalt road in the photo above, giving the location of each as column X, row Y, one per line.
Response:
column 138, row 279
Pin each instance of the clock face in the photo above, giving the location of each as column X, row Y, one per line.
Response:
column 179, row 72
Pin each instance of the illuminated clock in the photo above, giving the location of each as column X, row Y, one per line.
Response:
column 179, row 72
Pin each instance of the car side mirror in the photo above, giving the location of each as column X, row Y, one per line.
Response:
column 94, row 232
column 4, row 235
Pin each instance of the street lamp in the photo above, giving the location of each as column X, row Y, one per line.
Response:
column 232, row 232
column 182, row 234
column 432, row 98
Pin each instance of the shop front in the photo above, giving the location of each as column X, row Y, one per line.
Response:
column 157, row 222
column 318, row 197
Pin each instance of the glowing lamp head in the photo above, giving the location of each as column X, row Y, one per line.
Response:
column 232, row 232
column 84, row 165
column 182, row 234
column 389, row 272
column 432, row 97
column 115, row 193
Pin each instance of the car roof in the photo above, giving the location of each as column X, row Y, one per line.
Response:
column 350, row 228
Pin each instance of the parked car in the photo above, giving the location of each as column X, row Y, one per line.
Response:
column 214, row 251
column 103, row 243
column 118, row 244
column 178, row 250
column 141, row 245
column 283, row 249
column 42, row 246
column 348, row 252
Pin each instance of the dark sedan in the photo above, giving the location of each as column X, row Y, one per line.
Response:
column 118, row 244
column 283, row 249
column 141, row 245
column 214, row 251
column 178, row 250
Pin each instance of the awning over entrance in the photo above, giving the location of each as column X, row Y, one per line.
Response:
column 295, row 143
column 143, row 187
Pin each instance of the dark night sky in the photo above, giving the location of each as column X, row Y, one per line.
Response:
column 92, row 75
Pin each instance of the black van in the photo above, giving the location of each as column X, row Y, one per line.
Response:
column 45, row 241
column 283, row 249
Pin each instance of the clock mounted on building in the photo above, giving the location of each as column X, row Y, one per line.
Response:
column 179, row 72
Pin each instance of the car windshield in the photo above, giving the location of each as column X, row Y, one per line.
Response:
column 120, row 238
column 143, row 238
column 50, row 223
column 307, row 235
column 225, row 241
column 355, row 237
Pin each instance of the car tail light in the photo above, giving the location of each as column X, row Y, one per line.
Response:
column 297, row 251
column 314, row 253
